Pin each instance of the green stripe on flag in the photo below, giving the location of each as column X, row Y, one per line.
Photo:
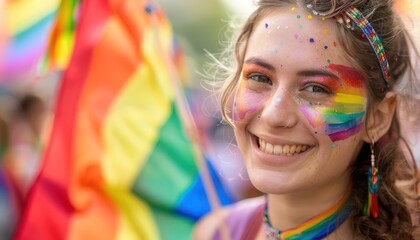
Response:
column 168, row 172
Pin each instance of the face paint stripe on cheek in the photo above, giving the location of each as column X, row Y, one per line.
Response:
column 338, row 118
column 342, row 127
column 349, row 99
column 346, row 108
column 345, row 134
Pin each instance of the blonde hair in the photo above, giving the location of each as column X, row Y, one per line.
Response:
column 395, row 217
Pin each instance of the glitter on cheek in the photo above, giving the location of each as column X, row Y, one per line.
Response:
column 326, row 31
column 296, row 36
column 298, row 16
column 266, row 25
column 311, row 40
column 310, row 17
column 300, row 26
column 277, row 101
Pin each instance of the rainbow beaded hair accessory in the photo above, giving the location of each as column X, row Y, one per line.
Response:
column 373, row 38
column 315, row 228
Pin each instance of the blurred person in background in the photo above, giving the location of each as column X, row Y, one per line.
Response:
column 22, row 157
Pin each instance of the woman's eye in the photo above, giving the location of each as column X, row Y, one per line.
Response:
column 315, row 88
column 260, row 78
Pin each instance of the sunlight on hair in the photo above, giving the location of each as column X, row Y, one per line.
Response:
column 240, row 6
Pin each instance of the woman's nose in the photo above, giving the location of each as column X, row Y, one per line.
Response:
column 280, row 111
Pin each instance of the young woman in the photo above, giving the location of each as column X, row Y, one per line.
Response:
column 313, row 99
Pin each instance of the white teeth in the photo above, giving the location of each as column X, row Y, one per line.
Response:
column 277, row 149
column 298, row 148
column 268, row 148
column 287, row 150
column 292, row 149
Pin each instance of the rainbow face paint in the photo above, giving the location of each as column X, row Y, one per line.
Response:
column 343, row 115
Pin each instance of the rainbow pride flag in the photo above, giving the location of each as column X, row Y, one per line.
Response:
column 118, row 164
column 24, row 34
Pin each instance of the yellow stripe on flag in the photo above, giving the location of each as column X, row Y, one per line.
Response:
column 135, row 118
column 136, row 218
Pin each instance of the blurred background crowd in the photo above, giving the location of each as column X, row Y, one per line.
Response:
column 27, row 96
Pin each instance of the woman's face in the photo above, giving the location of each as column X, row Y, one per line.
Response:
column 299, row 107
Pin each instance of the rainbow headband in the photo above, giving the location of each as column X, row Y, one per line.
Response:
column 373, row 38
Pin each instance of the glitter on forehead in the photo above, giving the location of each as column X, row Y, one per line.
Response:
column 296, row 36
column 298, row 16
column 266, row 25
column 311, row 40
column 326, row 31
column 300, row 26
column 309, row 17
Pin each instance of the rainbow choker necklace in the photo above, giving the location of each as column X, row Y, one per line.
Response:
column 315, row 228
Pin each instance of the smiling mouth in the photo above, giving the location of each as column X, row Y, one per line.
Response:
column 281, row 150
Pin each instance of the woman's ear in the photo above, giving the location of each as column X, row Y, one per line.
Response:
column 380, row 118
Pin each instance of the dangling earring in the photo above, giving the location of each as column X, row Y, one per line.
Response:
column 371, row 206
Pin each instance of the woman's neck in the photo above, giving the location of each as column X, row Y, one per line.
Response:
column 290, row 210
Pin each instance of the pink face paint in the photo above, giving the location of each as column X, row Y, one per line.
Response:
column 314, row 117
column 246, row 101
column 343, row 115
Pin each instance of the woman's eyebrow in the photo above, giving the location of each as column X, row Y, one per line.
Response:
column 260, row 62
column 317, row 72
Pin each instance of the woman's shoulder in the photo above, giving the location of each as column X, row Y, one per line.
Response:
column 234, row 219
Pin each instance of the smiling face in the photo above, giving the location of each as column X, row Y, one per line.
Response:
column 299, row 107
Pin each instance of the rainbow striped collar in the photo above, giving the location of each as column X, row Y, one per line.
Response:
column 315, row 228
